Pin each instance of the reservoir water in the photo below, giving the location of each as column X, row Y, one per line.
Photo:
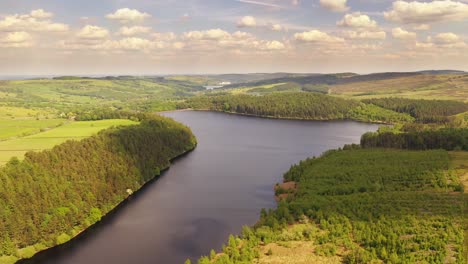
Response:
column 207, row 194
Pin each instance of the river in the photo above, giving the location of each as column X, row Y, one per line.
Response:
column 207, row 194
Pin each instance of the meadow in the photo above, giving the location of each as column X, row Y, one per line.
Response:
column 45, row 140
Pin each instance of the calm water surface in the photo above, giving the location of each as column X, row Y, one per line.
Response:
column 208, row 194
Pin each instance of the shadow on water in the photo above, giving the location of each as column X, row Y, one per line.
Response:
column 95, row 230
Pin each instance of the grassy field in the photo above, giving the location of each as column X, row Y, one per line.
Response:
column 19, row 128
column 48, row 139
column 12, row 112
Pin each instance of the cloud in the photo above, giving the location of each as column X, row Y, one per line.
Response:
column 131, row 44
column 178, row 45
column 422, row 27
column 41, row 14
column 126, row 15
column 16, row 40
column 34, row 22
column 274, row 45
column 447, row 38
column 375, row 35
column 212, row 34
column 247, row 21
column 93, row 33
column 131, row 31
column 335, row 5
column 240, row 42
column 168, row 36
column 260, row 3
column 357, row 20
column 276, row 27
column 317, row 36
column 400, row 33
column 424, row 45
column 427, row 12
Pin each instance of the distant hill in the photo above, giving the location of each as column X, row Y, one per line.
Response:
column 329, row 79
column 255, row 77
column 443, row 72
column 431, row 84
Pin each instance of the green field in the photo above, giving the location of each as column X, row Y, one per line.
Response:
column 48, row 139
column 19, row 128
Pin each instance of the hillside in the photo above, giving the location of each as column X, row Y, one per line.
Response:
column 73, row 185
column 65, row 93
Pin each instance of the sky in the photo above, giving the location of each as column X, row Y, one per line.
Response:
column 141, row 37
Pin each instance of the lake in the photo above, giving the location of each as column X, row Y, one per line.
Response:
column 209, row 193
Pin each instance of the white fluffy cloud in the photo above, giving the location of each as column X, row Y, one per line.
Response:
column 131, row 31
column 374, row 35
column 427, row 12
column 247, row 21
column 16, row 40
column 238, row 41
column 40, row 14
column 400, row 33
column 212, row 34
column 35, row 21
column 335, row 5
column 447, row 38
column 357, row 20
column 317, row 36
column 126, row 15
column 276, row 27
column 274, row 45
column 93, row 32
column 128, row 44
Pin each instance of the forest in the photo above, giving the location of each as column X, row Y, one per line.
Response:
column 361, row 206
column 52, row 195
column 425, row 111
column 445, row 138
column 301, row 105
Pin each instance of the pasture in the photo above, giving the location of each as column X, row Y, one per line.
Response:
column 48, row 139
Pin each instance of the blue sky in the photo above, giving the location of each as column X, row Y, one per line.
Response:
column 219, row 36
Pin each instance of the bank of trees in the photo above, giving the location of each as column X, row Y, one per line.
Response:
column 52, row 195
column 300, row 105
column 445, row 138
column 374, row 205
column 426, row 111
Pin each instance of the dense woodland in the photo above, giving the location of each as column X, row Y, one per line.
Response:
column 426, row 111
column 445, row 138
column 302, row 105
column 52, row 195
column 374, row 205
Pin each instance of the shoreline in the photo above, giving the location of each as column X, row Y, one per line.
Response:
column 280, row 118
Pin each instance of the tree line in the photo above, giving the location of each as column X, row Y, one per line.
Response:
column 445, row 138
column 426, row 111
column 299, row 105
